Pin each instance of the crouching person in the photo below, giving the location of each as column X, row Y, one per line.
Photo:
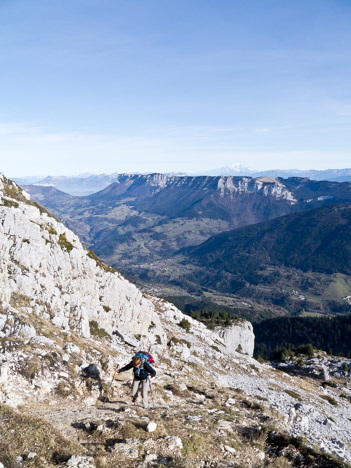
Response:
column 142, row 372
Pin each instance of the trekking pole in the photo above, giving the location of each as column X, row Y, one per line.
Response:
column 152, row 394
column 109, row 388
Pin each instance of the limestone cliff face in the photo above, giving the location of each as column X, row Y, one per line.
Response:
column 4, row 284
column 239, row 337
column 45, row 264
column 225, row 185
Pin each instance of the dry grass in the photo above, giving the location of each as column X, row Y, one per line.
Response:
column 64, row 243
column 19, row 300
column 293, row 394
column 101, row 264
column 329, row 399
column 21, row 434
column 98, row 332
column 9, row 203
column 29, row 369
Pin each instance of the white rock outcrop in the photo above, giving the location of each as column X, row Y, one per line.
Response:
column 238, row 337
column 44, row 263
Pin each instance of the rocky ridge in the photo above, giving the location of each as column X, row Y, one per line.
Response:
column 61, row 310
column 45, row 264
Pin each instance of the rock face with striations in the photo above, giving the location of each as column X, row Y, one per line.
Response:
column 238, row 337
column 45, row 264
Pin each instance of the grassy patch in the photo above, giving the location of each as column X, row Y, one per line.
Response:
column 174, row 341
column 329, row 399
column 64, row 389
column 346, row 397
column 158, row 339
column 329, row 384
column 279, row 442
column 255, row 435
column 184, row 323
column 19, row 300
column 239, row 349
column 9, row 203
column 21, row 434
column 12, row 190
column 50, row 229
column 101, row 264
column 260, row 359
column 293, row 394
column 64, row 243
column 31, row 368
column 191, row 446
column 253, row 405
column 98, row 332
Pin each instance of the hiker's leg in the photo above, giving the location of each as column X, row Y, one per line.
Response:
column 144, row 390
column 135, row 388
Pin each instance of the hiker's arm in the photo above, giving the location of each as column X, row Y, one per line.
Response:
column 149, row 369
column 125, row 368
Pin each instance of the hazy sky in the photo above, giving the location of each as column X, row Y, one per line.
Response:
column 163, row 85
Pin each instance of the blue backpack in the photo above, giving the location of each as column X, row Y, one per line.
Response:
column 145, row 357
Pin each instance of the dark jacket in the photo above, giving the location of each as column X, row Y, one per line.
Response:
column 141, row 372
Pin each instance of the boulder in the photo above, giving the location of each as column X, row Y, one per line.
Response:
column 151, row 427
column 76, row 461
column 238, row 337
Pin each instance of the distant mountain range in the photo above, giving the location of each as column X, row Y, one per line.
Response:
column 337, row 175
column 87, row 184
column 161, row 214
column 81, row 185
column 138, row 224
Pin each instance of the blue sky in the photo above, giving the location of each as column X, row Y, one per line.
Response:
column 145, row 85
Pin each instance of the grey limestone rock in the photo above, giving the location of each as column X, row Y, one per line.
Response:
column 239, row 337
column 77, row 461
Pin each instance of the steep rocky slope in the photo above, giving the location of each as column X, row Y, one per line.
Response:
column 61, row 309
column 44, row 264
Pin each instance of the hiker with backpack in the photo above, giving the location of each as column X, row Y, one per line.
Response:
column 142, row 373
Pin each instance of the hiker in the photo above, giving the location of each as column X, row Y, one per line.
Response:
column 142, row 372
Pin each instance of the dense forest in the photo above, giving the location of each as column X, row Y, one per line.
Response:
column 317, row 240
column 330, row 334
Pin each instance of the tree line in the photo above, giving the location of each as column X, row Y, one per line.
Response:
column 330, row 334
